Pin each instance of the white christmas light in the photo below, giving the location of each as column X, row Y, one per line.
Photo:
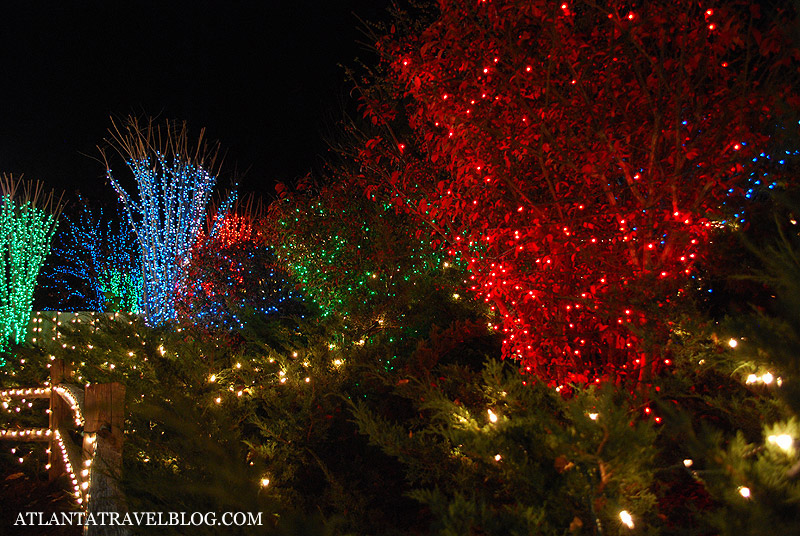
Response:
column 626, row 519
column 784, row 441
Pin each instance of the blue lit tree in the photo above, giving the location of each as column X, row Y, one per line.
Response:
column 28, row 220
column 98, row 264
column 175, row 180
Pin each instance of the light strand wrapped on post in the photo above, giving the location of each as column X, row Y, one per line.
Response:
column 28, row 220
column 175, row 182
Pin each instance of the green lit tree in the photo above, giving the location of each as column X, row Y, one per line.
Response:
column 28, row 220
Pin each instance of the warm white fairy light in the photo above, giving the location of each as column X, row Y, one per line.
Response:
column 688, row 462
column 70, row 398
column 594, row 416
column 37, row 392
column 767, row 378
column 497, row 457
column 784, row 441
column 733, row 343
column 76, row 486
column 492, row 415
column 264, row 482
column 744, row 491
column 26, row 433
column 626, row 519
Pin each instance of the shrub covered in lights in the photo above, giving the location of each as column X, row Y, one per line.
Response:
column 175, row 179
column 232, row 273
column 265, row 424
column 584, row 151
column 28, row 220
column 357, row 257
column 490, row 454
column 96, row 264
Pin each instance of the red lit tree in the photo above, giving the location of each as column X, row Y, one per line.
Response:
column 588, row 149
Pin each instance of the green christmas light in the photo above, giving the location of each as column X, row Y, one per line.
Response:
column 336, row 254
column 28, row 220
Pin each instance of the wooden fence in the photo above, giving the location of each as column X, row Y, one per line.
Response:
column 93, row 466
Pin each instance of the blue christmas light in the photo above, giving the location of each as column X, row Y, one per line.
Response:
column 232, row 272
column 99, row 267
column 171, row 206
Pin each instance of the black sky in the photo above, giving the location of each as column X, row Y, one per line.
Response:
column 260, row 75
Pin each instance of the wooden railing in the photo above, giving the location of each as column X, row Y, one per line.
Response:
column 93, row 467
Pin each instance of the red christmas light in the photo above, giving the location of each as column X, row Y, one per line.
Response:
column 580, row 177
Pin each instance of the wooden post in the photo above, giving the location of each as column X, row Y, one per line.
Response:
column 59, row 412
column 104, row 410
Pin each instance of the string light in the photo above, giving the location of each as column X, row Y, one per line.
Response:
column 767, row 379
column 27, row 226
column 98, row 267
column 76, row 486
column 551, row 265
column 329, row 263
column 232, row 270
column 70, row 397
column 30, row 392
column 174, row 191
column 28, row 434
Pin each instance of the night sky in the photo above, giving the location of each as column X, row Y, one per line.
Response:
column 260, row 75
